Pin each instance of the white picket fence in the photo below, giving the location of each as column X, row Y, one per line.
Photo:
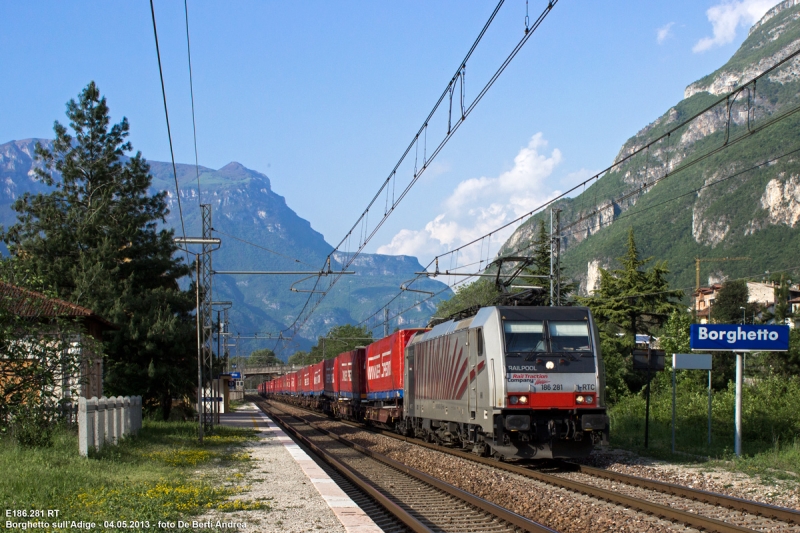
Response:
column 107, row 420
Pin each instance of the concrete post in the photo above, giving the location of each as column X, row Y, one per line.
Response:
column 86, row 412
column 111, row 420
column 126, row 416
column 120, row 417
column 99, row 423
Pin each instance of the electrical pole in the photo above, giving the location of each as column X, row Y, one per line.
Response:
column 205, row 307
column 551, row 257
column 557, row 272
column 386, row 322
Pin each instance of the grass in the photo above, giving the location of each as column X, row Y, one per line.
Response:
column 163, row 474
column 770, row 446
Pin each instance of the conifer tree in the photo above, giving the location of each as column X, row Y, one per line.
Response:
column 95, row 240
column 631, row 300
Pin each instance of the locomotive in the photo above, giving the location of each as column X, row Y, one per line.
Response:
column 511, row 381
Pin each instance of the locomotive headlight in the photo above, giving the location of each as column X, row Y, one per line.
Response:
column 589, row 399
column 579, row 399
column 550, row 365
column 523, row 399
column 513, row 400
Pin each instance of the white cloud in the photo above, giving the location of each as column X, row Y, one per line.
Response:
column 479, row 205
column 727, row 16
column 664, row 32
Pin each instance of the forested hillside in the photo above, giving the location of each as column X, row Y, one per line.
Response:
column 717, row 175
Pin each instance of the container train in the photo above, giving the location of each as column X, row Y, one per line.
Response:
column 512, row 382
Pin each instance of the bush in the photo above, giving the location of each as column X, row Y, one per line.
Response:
column 769, row 415
column 33, row 425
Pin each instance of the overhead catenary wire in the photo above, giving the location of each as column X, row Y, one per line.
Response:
column 707, row 185
column 773, row 120
column 169, row 132
column 366, row 235
column 215, row 230
column 191, row 94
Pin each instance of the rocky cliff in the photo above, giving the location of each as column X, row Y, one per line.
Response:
column 725, row 183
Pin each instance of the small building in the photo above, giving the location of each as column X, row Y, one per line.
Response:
column 704, row 298
column 33, row 305
column 762, row 294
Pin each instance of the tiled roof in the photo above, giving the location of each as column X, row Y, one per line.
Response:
column 28, row 303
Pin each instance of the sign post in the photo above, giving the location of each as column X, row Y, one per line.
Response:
column 739, row 339
column 690, row 361
column 649, row 360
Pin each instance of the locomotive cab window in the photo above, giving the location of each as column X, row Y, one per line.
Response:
column 524, row 337
column 569, row 336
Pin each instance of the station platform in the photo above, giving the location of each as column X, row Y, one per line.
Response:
column 301, row 495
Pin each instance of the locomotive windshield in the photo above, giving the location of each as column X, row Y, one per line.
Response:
column 555, row 336
column 525, row 337
column 569, row 336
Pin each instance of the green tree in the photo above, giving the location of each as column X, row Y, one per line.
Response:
column 338, row 340
column 542, row 245
column 631, row 300
column 298, row 358
column 95, row 241
column 729, row 303
column 480, row 293
column 263, row 357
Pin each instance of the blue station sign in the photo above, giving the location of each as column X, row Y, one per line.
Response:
column 739, row 338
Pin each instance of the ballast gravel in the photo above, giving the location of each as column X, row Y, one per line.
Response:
column 557, row 508
column 783, row 493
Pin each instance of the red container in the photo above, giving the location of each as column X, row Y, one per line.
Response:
column 351, row 372
column 385, row 365
column 304, row 388
column 293, row 384
column 318, row 378
column 331, row 378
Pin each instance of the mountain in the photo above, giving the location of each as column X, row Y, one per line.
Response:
column 725, row 184
column 244, row 206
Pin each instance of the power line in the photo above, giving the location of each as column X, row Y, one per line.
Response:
column 666, row 136
column 688, row 193
column 457, row 80
column 191, row 93
column 693, row 191
column 169, row 133
column 215, row 230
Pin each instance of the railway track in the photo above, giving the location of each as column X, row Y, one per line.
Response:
column 421, row 502
column 698, row 509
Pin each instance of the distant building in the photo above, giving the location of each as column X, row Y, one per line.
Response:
column 704, row 298
column 36, row 306
column 762, row 294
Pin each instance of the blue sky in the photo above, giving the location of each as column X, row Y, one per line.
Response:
column 323, row 97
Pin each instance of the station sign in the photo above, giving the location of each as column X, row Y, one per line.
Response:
column 691, row 361
column 739, row 338
column 236, row 375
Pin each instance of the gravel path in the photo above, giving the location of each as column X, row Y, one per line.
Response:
column 295, row 505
